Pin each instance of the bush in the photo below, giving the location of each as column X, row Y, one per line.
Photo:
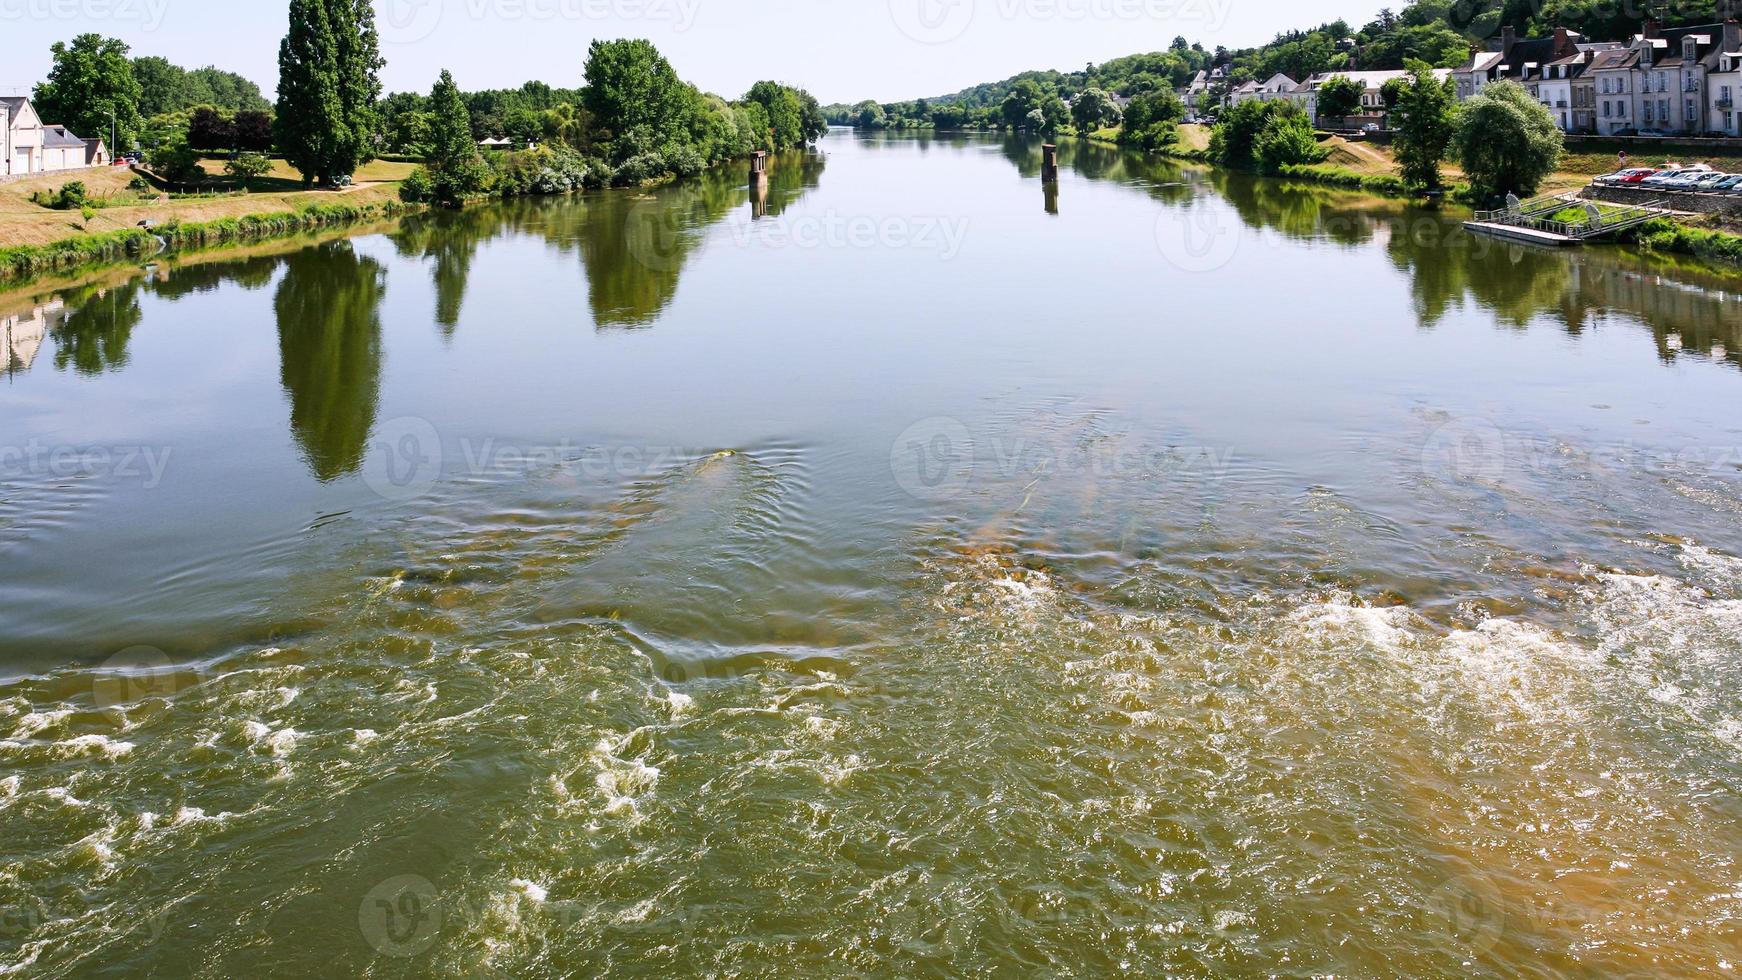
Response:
column 418, row 188
column 640, row 169
column 177, row 163
column 1384, row 184
column 1282, row 125
column 139, row 185
column 73, row 196
column 1286, row 140
column 1151, row 122
column 248, row 167
column 1664, row 235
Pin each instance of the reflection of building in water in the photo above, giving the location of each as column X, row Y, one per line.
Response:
column 21, row 335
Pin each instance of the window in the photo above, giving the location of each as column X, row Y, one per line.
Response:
column 1605, row 108
column 1729, row 120
column 1648, row 112
column 1693, row 115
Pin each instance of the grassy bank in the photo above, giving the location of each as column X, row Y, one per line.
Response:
column 1675, row 238
column 23, row 262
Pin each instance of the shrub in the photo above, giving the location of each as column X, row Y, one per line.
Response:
column 418, row 187
column 1285, row 140
column 72, row 197
column 1235, row 140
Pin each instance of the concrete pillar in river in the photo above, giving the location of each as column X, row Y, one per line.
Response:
column 1049, row 163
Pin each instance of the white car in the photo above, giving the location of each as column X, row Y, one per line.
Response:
column 1667, row 177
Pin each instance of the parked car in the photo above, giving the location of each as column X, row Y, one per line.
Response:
column 1632, row 175
column 1370, row 128
column 1652, row 132
column 1663, row 177
column 1730, row 184
column 1705, row 183
column 1628, row 131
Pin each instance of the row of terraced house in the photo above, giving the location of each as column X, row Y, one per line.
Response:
column 1681, row 81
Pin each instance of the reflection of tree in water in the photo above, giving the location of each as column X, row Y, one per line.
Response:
column 451, row 239
column 329, row 338
column 93, row 337
column 1520, row 285
column 1162, row 178
column 635, row 246
column 206, row 277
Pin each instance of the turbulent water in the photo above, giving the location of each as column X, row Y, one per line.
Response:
column 899, row 570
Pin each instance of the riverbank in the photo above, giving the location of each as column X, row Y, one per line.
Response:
column 21, row 263
column 1369, row 168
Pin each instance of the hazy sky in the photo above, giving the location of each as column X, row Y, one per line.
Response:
column 841, row 50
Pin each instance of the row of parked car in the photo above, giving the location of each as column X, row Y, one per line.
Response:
column 1697, row 179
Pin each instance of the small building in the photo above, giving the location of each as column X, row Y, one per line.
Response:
column 30, row 146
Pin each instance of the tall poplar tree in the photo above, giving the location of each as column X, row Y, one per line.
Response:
column 451, row 126
column 329, row 77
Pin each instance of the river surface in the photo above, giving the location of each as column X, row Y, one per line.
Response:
column 903, row 569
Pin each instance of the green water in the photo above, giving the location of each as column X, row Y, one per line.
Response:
column 903, row 570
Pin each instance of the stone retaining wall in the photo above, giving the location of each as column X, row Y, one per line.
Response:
column 1695, row 203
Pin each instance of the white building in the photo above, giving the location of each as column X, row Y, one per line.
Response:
column 30, row 147
column 1723, row 88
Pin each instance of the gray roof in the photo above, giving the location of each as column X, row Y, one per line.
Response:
column 60, row 137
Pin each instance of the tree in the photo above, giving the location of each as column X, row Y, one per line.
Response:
column 455, row 171
column 869, row 115
column 92, row 90
column 1392, row 92
column 248, row 167
column 1152, row 121
column 1094, row 109
column 631, row 86
column 329, row 67
column 1265, row 135
column 1507, row 141
column 1339, row 97
column 1425, row 118
column 450, row 137
column 209, row 128
column 254, row 130
column 1286, row 139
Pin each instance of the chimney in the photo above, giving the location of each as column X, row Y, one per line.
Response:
column 1508, row 37
column 1652, row 28
column 1563, row 45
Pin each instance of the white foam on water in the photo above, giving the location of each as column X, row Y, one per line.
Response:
column 283, row 742
column 95, row 745
column 9, row 786
column 532, row 890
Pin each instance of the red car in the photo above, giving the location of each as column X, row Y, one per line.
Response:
column 1629, row 176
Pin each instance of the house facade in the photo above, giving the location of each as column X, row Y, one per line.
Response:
column 1723, row 88
column 29, row 146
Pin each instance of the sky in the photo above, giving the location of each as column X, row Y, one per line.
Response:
column 841, row 50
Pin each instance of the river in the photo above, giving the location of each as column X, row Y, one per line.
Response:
column 905, row 569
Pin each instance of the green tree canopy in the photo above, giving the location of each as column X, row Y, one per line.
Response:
column 329, row 68
column 92, row 90
column 1507, row 141
column 1425, row 117
column 1340, row 96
